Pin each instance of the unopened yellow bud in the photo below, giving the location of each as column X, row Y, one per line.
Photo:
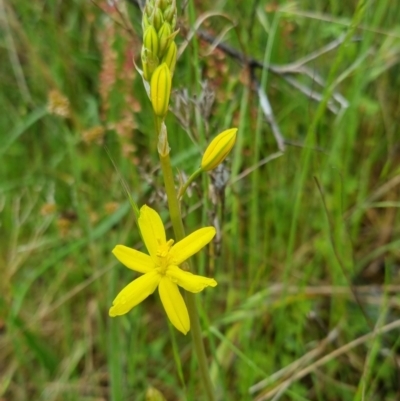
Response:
column 150, row 40
column 170, row 57
column 218, row 149
column 160, row 90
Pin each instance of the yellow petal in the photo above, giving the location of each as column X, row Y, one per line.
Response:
column 188, row 281
column 134, row 293
column 132, row 259
column 191, row 244
column 174, row 305
column 152, row 229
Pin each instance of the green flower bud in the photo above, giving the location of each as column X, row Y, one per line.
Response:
column 218, row 149
column 148, row 10
column 145, row 22
column 158, row 18
column 149, row 63
column 164, row 36
column 150, row 40
column 164, row 4
column 160, row 90
column 169, row 13
column 170, row 57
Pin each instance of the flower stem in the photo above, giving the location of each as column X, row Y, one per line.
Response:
column 188, row 182
column 173, row 204
column 179, row 232
column 199, row 345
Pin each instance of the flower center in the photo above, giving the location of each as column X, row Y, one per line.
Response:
column 163, row 255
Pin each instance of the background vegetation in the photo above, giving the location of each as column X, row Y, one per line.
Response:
column 307, row 260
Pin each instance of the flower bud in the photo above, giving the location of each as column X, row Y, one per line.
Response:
column 158, row 19
column 173, row 22
column 169, row 13
column 218, row 149
column 150, row 40
column 164, row 4
column 152, row 394
column 170, row 57
column 149, row 62
column 149, row 8
column 145, row 22
column 165, row 37
column 160, row 90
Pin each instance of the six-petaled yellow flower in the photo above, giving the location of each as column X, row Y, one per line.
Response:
column 160, row 269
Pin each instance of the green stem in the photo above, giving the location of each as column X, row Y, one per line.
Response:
column 188, row 182
column 173, row 205
column 179, row 231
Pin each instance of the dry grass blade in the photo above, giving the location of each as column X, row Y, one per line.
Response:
column 290, row 369
column 327, row 358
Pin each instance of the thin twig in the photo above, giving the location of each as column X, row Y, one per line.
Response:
column 269, row 115
column 295, row 68
column 310, row 92
column 256, row 166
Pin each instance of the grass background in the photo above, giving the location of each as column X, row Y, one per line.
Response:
column 308, row 258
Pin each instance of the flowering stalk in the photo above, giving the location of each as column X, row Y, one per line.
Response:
column 179, row 231
column 167, row 264
column 159, row 54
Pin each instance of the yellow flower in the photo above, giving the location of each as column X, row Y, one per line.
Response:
column 218, row 149
column 160, row 269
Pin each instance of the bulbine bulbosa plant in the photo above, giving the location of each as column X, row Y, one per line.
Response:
column 167, row 265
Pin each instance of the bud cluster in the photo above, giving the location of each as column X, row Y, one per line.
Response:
column 158, row 23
